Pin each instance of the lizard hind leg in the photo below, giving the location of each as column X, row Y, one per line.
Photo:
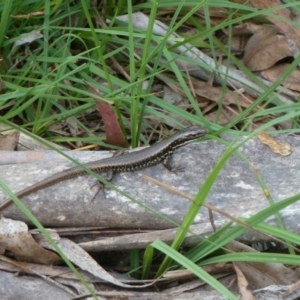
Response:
column 174, row 169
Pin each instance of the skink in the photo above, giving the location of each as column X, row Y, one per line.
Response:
column 160, row 152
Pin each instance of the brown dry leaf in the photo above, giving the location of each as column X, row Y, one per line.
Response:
column 265, row 48
column 294, row 287
column 245, row 293
column 16, row 238
column 229, row 100
column 281, row 148
column 292, row 33
column 274, row 73
column 85, row 262
column 114, row 134
column 223, row 117
column 218, row 95
column 247, row 28
column 239, row 36
column 216, row 12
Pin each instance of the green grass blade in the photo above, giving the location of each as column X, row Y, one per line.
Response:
column 188, row 264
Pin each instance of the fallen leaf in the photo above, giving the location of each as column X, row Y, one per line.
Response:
column 265, row 48
column 16, row 238
column 114, row 134
column 281, row 148
column 218, row 95
column 223, row 117
column 291, row 32
column 245, row 293
column 85, row 262
column 291, row 82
